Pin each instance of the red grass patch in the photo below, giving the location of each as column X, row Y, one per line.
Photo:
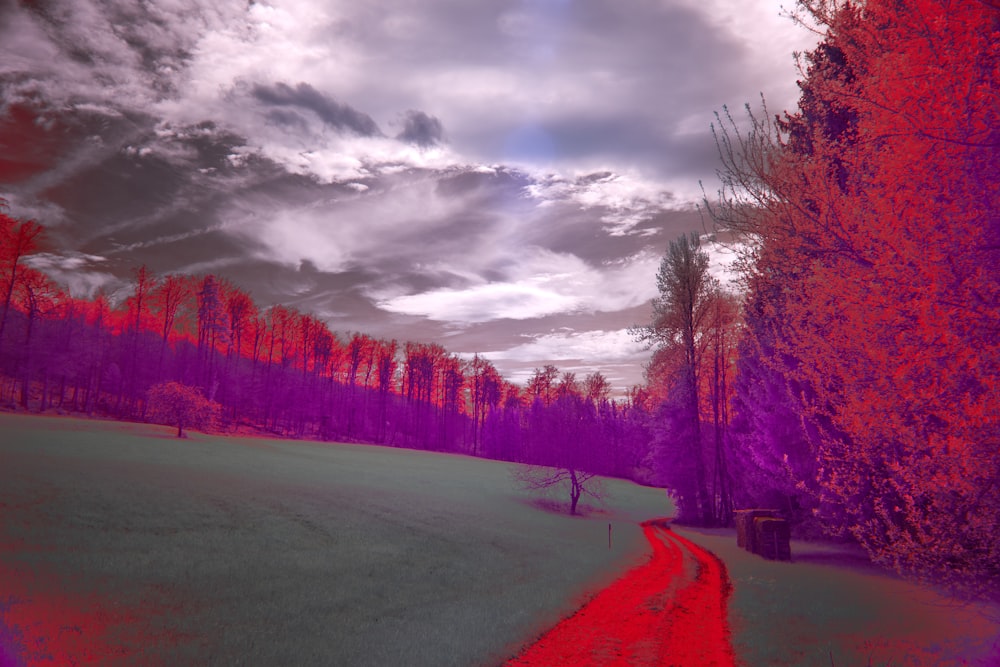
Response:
column 46, row 619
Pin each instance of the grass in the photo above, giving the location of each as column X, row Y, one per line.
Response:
column 250, row 551
column 261, row 552
column 830, row 607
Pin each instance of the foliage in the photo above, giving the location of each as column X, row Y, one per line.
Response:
column 871, row 215
column 282, row 371
column 176, row 404
column 692, row 318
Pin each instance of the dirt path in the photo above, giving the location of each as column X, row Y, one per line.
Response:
column 669, row 611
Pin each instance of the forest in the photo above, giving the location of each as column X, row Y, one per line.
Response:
column 851, row 382
column 203, row 342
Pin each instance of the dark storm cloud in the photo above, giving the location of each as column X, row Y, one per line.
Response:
column 421, row 129
column 648, row 142
column 115, row 54
column 331, row 112
column 288, row 119
column 580, row 83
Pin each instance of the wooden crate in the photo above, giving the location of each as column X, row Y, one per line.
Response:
column 772, row 538
column 744, row 526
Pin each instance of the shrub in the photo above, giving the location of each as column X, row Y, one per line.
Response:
column 179, row 405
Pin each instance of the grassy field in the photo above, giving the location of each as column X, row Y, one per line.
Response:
column 215, row 550
column 830, row 607
column 250, row 551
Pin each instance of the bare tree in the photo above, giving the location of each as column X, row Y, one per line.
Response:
column 543, row 478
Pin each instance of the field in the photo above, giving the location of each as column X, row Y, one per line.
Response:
column 252, row 551
column 120, row 544
column 829, row 607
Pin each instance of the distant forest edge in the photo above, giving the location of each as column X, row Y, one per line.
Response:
column 282, row 372
column 853, row 384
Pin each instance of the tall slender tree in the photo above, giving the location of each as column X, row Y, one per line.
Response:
column 680, row 315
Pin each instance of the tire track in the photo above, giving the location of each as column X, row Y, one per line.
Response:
column 655, row 614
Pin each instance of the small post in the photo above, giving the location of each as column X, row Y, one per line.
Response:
column 609, row 535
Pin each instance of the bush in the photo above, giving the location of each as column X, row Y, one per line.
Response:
column 179, row 405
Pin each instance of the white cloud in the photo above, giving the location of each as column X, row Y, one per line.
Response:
column 31, row 208
column 72, row 270
column 482, row 303
column 595, row 346
column 614, row 353
column 628, row 198
column 722, row 259
column 540, row 283
column 369, row 227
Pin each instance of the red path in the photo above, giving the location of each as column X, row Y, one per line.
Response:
column 668, row 611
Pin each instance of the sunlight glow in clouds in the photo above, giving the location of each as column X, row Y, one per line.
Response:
column 549, row 284
column 569, row 345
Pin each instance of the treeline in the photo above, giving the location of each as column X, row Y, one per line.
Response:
column 280, row 371
column 865, row 395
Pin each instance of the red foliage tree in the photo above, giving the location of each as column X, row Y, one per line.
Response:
column 18, row 239
column 873, row 212
column 180, row 405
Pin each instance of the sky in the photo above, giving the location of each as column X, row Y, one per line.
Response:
column 501, row 177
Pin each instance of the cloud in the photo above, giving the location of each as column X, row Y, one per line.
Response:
column 568, row 86
column 483, row 303
column 538, row 283
column 627, row 200
column 722, row 260
column 246, row 137
column 582, row 351
column 421, row 129
column 73, row 270
column 606, row 346
column 304, row 96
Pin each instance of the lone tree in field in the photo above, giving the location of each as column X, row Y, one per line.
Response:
column 563, row 430
column 543, row 478
column 173, row 403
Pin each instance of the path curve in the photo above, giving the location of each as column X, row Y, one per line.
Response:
column 671, row 610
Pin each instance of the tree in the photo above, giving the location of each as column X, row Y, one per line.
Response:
column 137, row 305
column 212, row 328
column 18, row 238
column 542, row 384
column 871, row 216
column 775, row 461
column 680, row 313
column 166, row 299
column 386, row 370
column 597, row 387
column 38, row 296
column 173, row 403
column 485, row 390
column 719, row 347
column 577, row 483
column 567, row 450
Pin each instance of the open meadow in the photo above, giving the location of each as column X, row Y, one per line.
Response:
column 121, row 544
column 121, row 540
column 829, row 607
